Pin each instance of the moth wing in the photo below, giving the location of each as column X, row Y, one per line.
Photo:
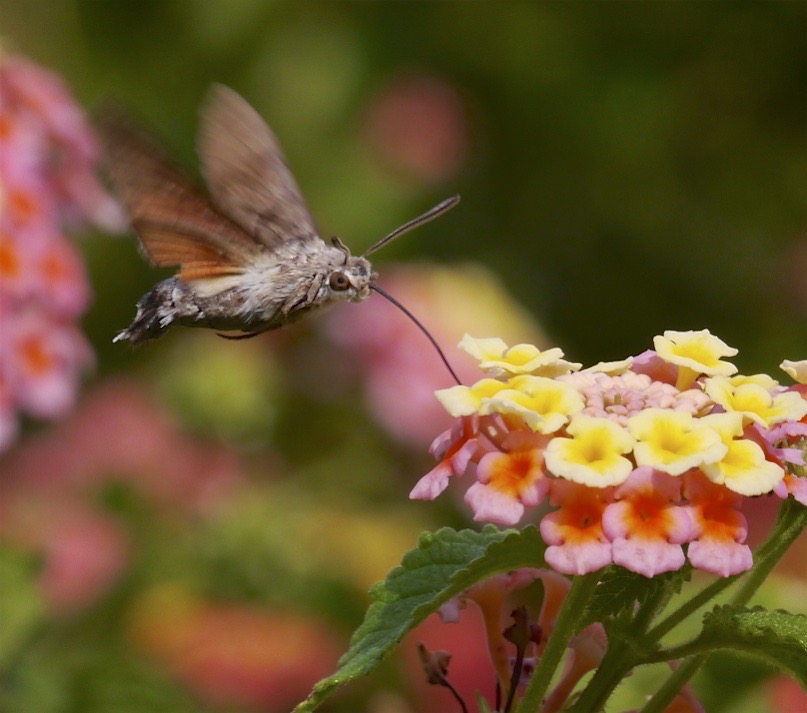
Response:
column 246, row 172
column 175, row 223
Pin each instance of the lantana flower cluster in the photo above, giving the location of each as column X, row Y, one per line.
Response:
column 647, row 461
column 47, row 156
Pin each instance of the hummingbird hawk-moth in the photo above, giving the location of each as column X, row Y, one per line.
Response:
column 250, row 257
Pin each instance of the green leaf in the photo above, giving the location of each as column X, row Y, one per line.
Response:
column 445, row 564
column 777, row 636
column 619, row 590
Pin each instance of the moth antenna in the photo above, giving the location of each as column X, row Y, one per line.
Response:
column 390, row 298
column 429, row 215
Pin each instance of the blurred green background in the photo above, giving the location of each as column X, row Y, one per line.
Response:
column 625, row 168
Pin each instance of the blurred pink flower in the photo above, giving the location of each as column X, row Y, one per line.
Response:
column 785, row 695
column 47, row 159
column 51, row 483
column 419, row 125
column 43, row 358
column 118, row 433
column 83, row 552
column 234, row 655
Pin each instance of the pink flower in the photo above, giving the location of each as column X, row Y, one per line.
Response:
column 574, row 533
column 84, row 555
column 645, row 526
column 718, row 528
column 507, row 483
column 454, row 448
column 47, row 157
column 650, row 363
column 43, row 358
column 234, row 656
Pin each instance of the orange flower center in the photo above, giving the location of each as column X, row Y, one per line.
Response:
column 54, row 269
column 582, row 520
column 9, row 260
column 37, row 359
column 513, row 472
column 720, row 520
column 649, row 516
column 22, row 204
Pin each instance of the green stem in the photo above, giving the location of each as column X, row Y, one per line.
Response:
column 617, row 662
column 688, row 608
column 648, row 610
column 573, row 609
column 790, row 523
column 677, row 680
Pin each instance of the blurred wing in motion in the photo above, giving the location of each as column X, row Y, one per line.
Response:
column 246, row 172
column 176, row 224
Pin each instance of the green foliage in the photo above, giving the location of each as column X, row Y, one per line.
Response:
column 620, row 590
column 445, row 564
column 21, row 607
column 776, row 636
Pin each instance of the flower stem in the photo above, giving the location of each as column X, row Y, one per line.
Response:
column 574, row 608
column 677, row 680
column 618, row 661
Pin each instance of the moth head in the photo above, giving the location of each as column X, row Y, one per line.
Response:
column 353, row 280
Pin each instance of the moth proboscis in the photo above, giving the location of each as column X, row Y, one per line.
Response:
column 249, row 255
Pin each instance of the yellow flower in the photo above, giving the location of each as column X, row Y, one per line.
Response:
column 467, row 400
column 545, row 404
column 594, row 455
column 611, row 368
column 695, row 353
column 796, row 370
column 496, row 358
column 673, row 441
column 755, row 402
column 744, row 468
column 766, row 382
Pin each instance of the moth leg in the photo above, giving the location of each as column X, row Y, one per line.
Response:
column 302, row 296
column 248, row 335
column 236, row 337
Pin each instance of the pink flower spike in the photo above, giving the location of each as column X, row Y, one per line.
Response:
column 61, row 280
column 44, row 360
column 507, row 483
column 645, row 527
column 574, row 533
column 719, row 529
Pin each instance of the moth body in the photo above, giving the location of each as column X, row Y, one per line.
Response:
column 273, row 291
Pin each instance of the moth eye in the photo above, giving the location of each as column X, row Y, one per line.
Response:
column 338, row 282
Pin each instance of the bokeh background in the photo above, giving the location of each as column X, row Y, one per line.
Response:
column 199, row 530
